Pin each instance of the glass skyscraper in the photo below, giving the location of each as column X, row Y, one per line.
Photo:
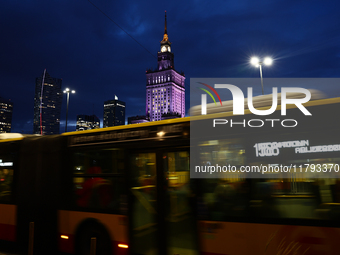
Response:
column 47, row 105
column 114, row 113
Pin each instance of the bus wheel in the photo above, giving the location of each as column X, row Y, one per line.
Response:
column 83, row 240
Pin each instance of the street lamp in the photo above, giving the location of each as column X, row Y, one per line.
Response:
column 256, row 62
column 68, row 91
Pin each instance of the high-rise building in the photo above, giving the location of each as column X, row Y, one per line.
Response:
column 165, row 88
column 86, row 122
column 6, row 110
column 47, row 104
column 114, row 113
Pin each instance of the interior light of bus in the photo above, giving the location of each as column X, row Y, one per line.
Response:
column 161, row 133
column 173, row 178
column 125, row 246
column 6, row 163
column 64, row 237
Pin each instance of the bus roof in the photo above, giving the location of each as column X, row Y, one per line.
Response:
column 11, row 136
column 146, row 124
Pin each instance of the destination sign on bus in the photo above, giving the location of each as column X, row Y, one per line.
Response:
column 270, row 149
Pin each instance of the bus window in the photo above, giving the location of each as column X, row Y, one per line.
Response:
column 302, row 193
column 98, row 180
column 176, row 167
column 222, row 152
column 6, row 178
column 100, row 193
column 143, row 205
column 226, row 195
column 179, row 204
column 110, row 161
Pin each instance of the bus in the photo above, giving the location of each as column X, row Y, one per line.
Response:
column 130, row 187
column 276, row 187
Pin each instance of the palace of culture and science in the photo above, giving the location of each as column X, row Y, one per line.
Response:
column 165, row 87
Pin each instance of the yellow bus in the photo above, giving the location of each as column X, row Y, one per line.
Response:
column 127, row 186
column 276, row 189
column 130, row 187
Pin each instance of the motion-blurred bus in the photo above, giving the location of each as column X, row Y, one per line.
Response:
column 130, row 187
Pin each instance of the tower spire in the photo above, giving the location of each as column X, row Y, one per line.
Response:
column 165, row 37
column 165, row 26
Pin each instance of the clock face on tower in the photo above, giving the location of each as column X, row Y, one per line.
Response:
column 164, row 49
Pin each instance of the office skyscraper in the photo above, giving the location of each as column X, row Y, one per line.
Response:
column 114, row 113
column 47, row 104
column 6, row 110
column 165, row 88
column 86, row 122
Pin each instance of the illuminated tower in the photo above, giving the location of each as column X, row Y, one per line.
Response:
column 165, row 88
column 47, row 105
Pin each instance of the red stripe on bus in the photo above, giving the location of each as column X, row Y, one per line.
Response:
column 7, row 232
column 212, row 253
column 311, row 240
column 67, row 246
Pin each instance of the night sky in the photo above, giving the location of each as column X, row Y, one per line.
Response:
column 74, row 41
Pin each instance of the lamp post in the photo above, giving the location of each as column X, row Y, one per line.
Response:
column 256, row 62
column 68, row 91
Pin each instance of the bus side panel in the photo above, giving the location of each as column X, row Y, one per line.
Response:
column 69, row 221
column 8, row 222
column 233, row 238
column 38, row 192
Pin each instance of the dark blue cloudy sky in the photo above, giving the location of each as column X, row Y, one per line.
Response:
column 74, row 41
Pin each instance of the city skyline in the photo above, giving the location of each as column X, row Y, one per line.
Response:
column 87, row 122
column 93, row 56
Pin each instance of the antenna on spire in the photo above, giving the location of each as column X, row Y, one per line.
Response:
column 165, row 36
column 165, row 26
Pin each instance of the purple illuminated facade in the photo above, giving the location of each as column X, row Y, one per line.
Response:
column 165, row 88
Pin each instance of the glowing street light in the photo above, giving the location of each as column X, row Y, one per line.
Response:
column 255, row 61
column 68, row 91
